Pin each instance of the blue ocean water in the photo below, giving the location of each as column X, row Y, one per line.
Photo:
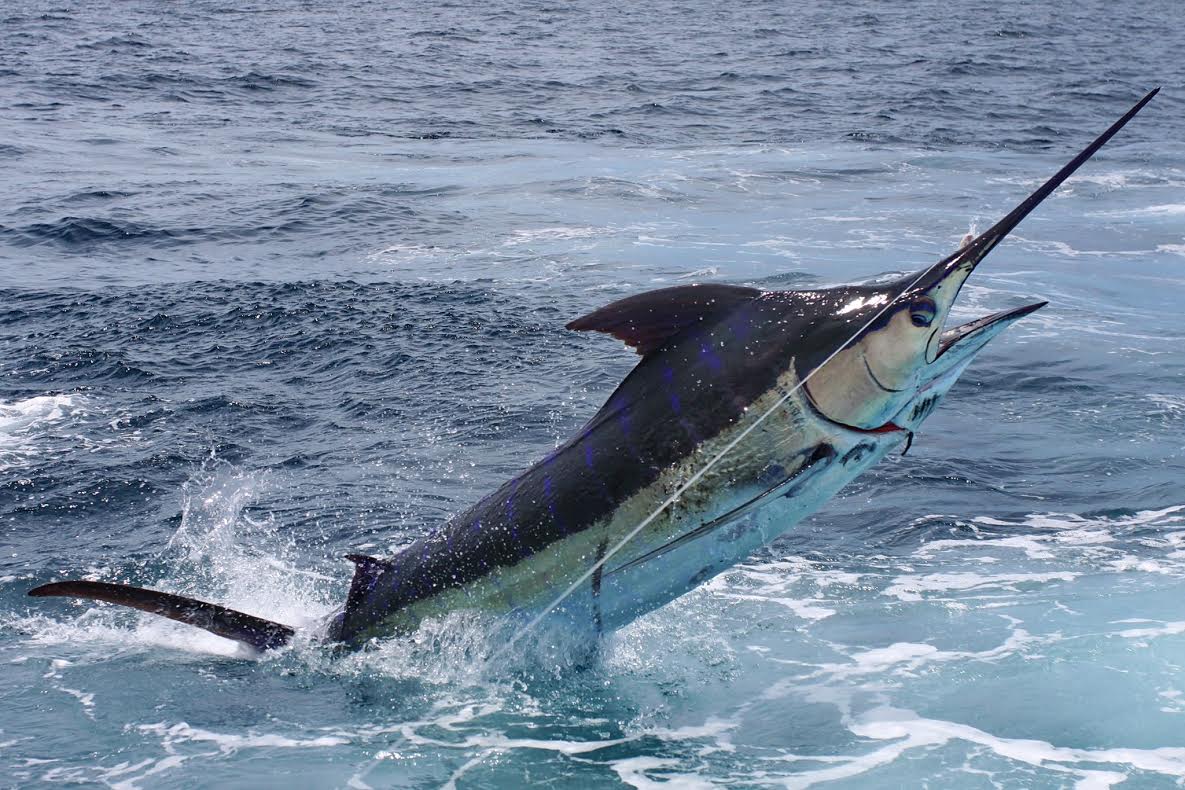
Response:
column 283, row 281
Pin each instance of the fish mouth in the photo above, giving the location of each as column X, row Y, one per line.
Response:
column 960, row 344
column 983, row 329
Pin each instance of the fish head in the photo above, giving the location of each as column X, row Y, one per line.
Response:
column 900, row 349
column 873, row 352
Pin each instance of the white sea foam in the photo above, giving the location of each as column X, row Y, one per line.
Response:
column 835, row 218
column 1057, row 247
column 1160, row 210
column 1114, row 180
column 714, row 727
column 1036, row 547
column 86, row 698
column 907, row 731
column 1107, row 180
column 1166, row 629
column 173, row 737
column 710, row 271
column 18, row 416
column 1054, row 533
column 793, row 582
column 911, row 731
column 171, row 734
column 635, row 772
column 534, row 235
column 915, row 588
column 1174, row 404
column 780, row 246
column 123, row 769
column 499, row 742
column 909, row 657
column 24, row 423
column 901, row 659
column 407, row 252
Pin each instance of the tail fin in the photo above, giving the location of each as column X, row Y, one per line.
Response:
column 253, row 631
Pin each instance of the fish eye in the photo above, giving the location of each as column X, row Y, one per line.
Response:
column 922, row 311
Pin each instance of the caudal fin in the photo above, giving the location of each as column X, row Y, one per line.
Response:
column 252, row 631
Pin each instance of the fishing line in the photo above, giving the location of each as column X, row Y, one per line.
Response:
column 695, row 478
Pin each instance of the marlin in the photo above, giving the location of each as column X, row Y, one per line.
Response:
column 748, row 410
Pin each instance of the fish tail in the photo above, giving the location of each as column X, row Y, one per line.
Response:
column 255, row 632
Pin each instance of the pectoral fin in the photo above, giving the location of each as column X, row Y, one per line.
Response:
column 817, row 461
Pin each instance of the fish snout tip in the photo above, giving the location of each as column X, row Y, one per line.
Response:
column 1023, row 311
column 1034, row 307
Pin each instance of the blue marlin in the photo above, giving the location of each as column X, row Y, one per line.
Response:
column 748, row 410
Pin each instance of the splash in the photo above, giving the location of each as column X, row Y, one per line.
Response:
column 221, row 552
column 229, row 551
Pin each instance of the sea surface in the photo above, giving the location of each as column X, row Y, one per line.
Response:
column 281, row 281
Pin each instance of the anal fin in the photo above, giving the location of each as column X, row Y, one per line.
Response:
column 250, row 630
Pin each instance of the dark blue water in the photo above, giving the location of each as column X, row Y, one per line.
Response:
column 283, row 281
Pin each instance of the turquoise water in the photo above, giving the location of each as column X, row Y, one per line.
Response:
column 287, row 285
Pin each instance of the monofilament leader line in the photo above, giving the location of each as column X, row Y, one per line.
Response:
column 695, row 478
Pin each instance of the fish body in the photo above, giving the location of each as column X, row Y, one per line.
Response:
column 747, row 411
column 688, row 399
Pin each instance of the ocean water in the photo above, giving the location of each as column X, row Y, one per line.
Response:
column 281, row 281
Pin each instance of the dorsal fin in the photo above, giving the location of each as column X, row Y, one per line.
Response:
column 646, row 321
column 366, row 573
